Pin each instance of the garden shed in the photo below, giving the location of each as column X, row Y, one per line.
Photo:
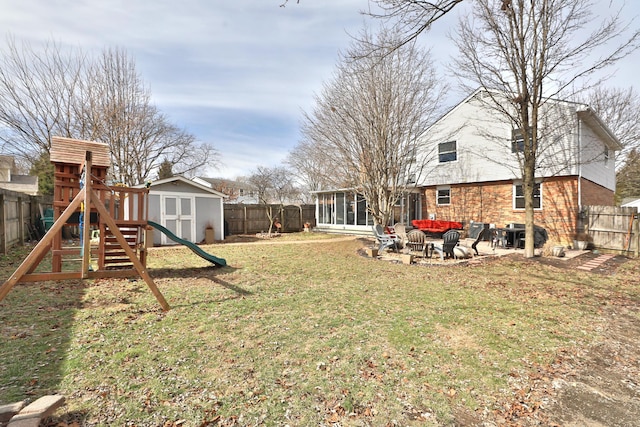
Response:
column 187, row 209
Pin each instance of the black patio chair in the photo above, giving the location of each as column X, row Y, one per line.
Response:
column 450, row 240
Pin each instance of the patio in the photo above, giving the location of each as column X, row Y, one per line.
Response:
column 485, row 251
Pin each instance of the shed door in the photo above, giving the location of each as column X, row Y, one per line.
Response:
column 178, row 217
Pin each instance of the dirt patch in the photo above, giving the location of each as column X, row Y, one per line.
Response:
column 604, row 388
column 597, row 386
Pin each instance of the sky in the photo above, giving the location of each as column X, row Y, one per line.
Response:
column 236, row 74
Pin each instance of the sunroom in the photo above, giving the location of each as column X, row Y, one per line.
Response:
column 347, row 211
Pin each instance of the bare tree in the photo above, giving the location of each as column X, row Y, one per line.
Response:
column 287, row 1
column 628, row 177
column 66, row 93
column 314, row 169
column 139, row 135
column 40, row 93
column 368, row 120
column 274, row 185
column 410, row 18
column 526, row 53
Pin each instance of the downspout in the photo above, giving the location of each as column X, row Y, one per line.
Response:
column 580, row 224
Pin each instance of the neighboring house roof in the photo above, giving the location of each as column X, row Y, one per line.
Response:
column 24, row 179
column 182, row 180
column 9, row 180
column 21, row 184
column 228, row 183
column 602, row 130
column 7, row 162
column 238, row 191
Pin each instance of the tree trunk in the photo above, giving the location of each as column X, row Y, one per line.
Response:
column 528, row 186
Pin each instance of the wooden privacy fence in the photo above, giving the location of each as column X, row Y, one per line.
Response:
column 19, row 218
column 614, row 229
column 249, row 219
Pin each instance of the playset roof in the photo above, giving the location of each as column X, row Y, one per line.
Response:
column 72, row 151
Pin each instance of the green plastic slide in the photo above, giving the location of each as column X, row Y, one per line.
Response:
column 220, row 262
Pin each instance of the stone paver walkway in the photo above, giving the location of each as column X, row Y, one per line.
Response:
column 596, row 262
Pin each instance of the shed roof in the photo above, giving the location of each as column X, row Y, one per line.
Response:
column 180, row 179
column 70, row 150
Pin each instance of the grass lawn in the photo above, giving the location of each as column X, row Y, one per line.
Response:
column 300, row 334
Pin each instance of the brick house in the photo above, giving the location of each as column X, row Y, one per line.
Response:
column 473, row 174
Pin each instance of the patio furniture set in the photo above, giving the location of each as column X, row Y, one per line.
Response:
column 421, row 241
column 417, row 241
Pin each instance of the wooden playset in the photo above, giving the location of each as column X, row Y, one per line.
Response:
column 118, row 215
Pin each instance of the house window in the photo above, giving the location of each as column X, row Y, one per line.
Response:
column 447, row 152
column 443, row 196
column 517, row 141
column 606, row 156
column 518, row 196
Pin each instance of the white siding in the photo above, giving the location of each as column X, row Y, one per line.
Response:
column 483, row 143
column 155, row 215
column 484, row 153
column 209, row 211
column 594, row 166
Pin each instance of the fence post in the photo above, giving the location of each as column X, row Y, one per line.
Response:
column 21, row 221
column 244, row 219
column 636, row 233
column 3, row 228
